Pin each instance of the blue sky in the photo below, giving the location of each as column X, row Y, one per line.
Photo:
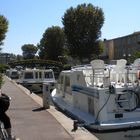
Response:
column 28, row 19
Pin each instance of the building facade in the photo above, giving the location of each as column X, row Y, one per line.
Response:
column 122, row 47
column 4, row 58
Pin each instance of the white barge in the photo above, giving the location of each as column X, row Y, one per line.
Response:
column 33, row 79
column 102, row 98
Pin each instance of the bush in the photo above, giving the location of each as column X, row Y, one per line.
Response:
column 67, row 67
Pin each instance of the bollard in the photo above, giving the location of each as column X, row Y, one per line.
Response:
column 46, row 95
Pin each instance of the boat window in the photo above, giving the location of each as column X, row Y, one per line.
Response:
column 36, row 75
column 67, row 81
column 40, row 74
column 14, row 73
column 28, row 75
column 67, row 88
column 91, row 106
column 48, row 75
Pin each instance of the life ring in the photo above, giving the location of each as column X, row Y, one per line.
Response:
column 137, row 98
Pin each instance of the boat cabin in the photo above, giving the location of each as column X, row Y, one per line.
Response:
column 34, row 78
column 12, row 73
column 104, row 98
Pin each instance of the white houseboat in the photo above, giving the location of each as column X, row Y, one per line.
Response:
column 102, row 98
column 12, row 73
column 33, row 79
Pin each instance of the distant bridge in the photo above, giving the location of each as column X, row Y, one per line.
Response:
column 36, row 63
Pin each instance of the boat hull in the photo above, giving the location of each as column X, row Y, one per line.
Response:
column 34, row 87
column 37, row 87
column 128, row 131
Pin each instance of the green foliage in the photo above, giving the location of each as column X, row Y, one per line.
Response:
column 67, row 67
column 52, row 43
column 98, row 48
column 29, row 51
column 1, row 80
column 82, row 27
column 101, row 46
column 35, row 62
column 3, row 67
column 3, row 28
column 134, row 56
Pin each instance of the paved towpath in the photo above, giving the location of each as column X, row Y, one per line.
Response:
column 31, row 122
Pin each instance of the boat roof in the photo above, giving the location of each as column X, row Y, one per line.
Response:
column 35, row 70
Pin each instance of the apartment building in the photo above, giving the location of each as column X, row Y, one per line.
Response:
column 4, row 58
column 122, row 47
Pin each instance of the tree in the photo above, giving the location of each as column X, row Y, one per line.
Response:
column 29, row 51
column 82, row 27
column 52, row 43
column 3, row 28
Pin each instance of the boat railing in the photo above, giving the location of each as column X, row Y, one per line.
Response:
column 81, row 67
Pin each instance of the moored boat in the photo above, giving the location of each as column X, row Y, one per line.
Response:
column 102, row 98
column 12, row 73
column 33, row 79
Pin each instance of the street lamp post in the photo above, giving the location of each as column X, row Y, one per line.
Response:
column 127, row 56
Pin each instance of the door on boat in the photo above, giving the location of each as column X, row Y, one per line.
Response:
column 91, row 106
